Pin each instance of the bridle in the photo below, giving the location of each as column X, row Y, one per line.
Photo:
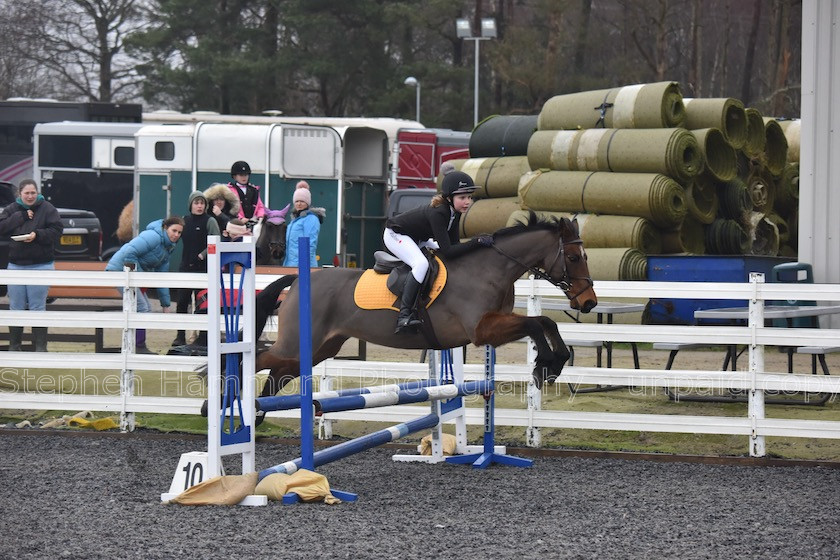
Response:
column 565, row 281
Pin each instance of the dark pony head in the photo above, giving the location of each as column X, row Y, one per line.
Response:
column 564, row 264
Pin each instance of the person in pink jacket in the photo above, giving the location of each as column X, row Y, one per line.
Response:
column 251, row 206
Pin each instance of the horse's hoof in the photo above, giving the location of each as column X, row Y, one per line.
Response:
column 259, row 414
column 204, row 409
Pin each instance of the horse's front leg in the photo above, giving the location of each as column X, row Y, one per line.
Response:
column 497, row 329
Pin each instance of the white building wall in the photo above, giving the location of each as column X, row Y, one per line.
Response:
column 819, row 179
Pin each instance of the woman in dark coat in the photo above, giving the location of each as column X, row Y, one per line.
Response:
column 35, row 226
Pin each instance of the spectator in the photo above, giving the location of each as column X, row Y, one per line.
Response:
column 198, row 224
column 150, row 252
column 306, row 222
column 223, row 204
column 35, row 226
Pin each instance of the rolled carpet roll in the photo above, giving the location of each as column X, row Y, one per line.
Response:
column 762, row 188
column 671, row 242
column 648, row 195
column 727, row 237
column 670, row 151
column 734, row 200
column 792, row 130
column 502, row 136
column 787, row 189
column 487, row 215
column 602, row 231
column 693, row 236
column 498, row 176
column 617, row 264
column 764, row 234
column 702, row 199
column 781, row 226
column 724, row 113
column 756, row 135
column 776, row 147
column 719, row 157
column 656, row 105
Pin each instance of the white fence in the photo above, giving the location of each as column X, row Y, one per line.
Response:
column 755, row 380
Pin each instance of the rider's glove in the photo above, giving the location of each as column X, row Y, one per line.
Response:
column 485, row 239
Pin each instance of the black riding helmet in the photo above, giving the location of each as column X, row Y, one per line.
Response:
column 457, row 182
column 240, row 167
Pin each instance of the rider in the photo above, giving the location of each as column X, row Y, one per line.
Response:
column 251, row 206
column 434, row 226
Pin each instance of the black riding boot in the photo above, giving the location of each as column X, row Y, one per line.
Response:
column 407, row 320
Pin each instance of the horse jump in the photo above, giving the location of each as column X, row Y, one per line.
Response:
column 310, row 459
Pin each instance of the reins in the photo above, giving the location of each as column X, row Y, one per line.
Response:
column 564, row 283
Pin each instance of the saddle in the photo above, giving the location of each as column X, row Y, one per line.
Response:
column 381, row 286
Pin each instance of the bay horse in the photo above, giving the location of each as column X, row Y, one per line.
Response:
column 474, row 306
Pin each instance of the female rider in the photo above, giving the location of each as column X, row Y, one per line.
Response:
column 433, row 226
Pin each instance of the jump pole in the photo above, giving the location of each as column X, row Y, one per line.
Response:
column 236, row 305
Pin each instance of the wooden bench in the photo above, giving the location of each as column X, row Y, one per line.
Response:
column 83, row 292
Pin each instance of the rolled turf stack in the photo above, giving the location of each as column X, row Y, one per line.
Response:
column 659, row 173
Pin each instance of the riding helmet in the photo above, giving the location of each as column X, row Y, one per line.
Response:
column 457, row 182
column 240, row 167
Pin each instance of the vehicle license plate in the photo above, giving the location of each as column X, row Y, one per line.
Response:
column 71, row 239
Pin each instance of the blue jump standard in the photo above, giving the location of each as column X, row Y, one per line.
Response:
column 488, row 456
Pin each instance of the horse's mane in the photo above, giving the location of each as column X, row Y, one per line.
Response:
column 550, row 223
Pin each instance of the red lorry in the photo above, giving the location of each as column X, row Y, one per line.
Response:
column 419, row 153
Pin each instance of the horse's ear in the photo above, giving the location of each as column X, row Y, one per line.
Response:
column 285, row 211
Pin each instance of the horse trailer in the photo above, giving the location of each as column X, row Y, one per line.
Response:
column 345, row 166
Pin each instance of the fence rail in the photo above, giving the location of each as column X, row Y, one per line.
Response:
column 755, row 380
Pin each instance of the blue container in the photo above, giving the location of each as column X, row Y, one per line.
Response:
column 701, row 268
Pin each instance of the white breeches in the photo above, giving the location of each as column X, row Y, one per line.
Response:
column 404, row 247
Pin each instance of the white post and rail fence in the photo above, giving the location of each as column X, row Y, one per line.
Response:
column 116, row 394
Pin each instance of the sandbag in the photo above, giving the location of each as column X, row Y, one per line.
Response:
column 498, row 176
column 670, row 151
column 647, row 195
column 602, row 231
column 502, row 136
column 218, row 491
column 724, row 113
column 308, row 485
column 656, row 105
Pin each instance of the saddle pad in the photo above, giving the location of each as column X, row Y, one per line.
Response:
column 372, row 291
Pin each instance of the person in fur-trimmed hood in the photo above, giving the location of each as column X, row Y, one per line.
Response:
column 222, row 204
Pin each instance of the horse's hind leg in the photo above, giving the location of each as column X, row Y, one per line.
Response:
column 281, row 372
column 496, row 329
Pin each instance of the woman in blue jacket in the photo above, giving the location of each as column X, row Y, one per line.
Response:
column 150, row 252
column 306, row 223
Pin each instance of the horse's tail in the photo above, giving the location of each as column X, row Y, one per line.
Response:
column 267, row 300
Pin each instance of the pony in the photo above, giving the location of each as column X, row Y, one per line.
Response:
column 474, row 306
column 271, row 243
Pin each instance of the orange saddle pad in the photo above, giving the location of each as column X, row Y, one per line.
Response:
column 372, row 290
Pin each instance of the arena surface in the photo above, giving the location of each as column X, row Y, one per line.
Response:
column 98, row 497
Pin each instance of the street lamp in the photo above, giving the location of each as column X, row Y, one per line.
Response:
column 463, row 29
column 415, row 83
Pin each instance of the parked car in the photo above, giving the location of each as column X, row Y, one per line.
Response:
column 80, row 240
column 402, row 200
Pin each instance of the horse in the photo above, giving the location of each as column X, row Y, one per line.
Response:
column 474, row 306
column 271, row 243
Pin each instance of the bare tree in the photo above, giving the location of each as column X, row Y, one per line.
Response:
column 77, row 44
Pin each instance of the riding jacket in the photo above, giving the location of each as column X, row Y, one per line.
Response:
column 251, row 206
column 437, row 222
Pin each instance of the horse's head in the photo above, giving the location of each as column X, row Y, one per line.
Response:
column 272, row 240
column 568, row 268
